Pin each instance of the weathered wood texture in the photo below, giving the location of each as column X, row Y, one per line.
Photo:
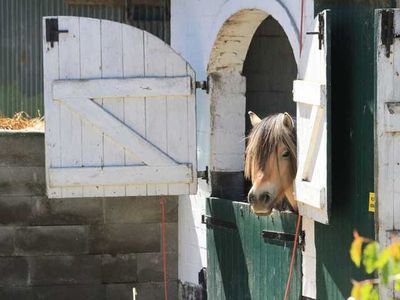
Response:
column 117, row 97
column 387, row 151
column 353, row 109
column 244, row 265
column 312, row 95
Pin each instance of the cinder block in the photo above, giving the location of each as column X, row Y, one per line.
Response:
column 68, row 211
column 150, row 266
column 64, row 270
column 51, row 240
column 147, row 291
column 17, row 210
column 6, row 240
column 124, row 238
column 13, row 271
column 22, row 149
column 22, row 180
column 139, row 209
column 172, row 237
column 119, row 268
column 75, row 292
column 17, row 293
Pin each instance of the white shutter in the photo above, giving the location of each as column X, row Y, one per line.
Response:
column 387, row 147
column 120, row 112
column 311, row 92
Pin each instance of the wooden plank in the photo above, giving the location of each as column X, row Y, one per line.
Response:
column 192, row 132
column 117, row 131
column 156, row 118
column 115, row 176
column 314, row 144
column 70, row 123
column 392, row 116
column 310, row 194
column 92, row 138
column 177, row 119
column 134, row 109
column 111, row 57
column 52, row 112
column 123, row 87
column 309, row 92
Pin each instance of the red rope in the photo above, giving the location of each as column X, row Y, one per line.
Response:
column 164, row 247
column 296, row 239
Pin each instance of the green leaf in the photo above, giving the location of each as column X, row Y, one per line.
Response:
column 374, row 294
column 383, row 258
column 355, row 250
column 385, row 271
column 356, row 291
column 365, row 291
column 397, row 285
column 370, row 256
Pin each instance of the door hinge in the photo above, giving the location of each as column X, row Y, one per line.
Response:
column 203, row 174
column 387, row 30
column 320, row 32
column 52, row 31
column 204, row 85
column 283, row 236
column 211, row 221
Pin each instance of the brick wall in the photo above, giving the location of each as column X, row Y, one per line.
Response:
column 89, row 248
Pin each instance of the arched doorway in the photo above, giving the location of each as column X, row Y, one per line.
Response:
column 251, row 67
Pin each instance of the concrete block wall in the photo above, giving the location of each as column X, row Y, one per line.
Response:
column 89, row 248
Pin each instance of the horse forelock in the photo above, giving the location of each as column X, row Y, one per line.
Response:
column 264, row 139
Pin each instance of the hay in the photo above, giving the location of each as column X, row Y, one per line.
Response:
column 22, row 121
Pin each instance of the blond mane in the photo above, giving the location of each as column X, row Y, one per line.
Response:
column 264, row 139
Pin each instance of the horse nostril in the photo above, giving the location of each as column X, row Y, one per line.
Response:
column 266, row 197
column 251, row 198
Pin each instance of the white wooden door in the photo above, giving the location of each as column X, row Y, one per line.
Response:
column 311, row 92
column 120, row 112
column 387, row 147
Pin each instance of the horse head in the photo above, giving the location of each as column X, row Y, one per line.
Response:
column 271, row 162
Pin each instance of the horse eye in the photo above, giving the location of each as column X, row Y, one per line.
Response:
column 286, row 154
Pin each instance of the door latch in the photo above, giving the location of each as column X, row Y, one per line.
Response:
column 320, row 32
column 52, row 31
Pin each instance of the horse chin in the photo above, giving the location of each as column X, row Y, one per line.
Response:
column 261, row 211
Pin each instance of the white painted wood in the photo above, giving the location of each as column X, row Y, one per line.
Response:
column 134, row 110
column 156, row 109
column 121, row 101
column 92, row 138
column 310, row 94
column 112, row 66
column 315, row 194
column 128, row 87
column 76, row 177
column 70, row 124
column 392, row 116
column 52, row 111
column 387, row 149
column 117, row 131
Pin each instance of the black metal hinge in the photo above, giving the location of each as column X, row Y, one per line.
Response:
column 203, row 174
column 204, row 85
column 387, row 30
column 52, row 31
column 320, row 32
column 283, row 236
column 211, row 221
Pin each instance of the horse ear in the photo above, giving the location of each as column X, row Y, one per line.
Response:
column 288, row 121
column 254, row 119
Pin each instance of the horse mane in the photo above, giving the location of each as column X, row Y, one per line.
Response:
column 264, row 139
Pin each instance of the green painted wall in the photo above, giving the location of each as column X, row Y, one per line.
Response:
column 353, row 108
column 244, row 265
